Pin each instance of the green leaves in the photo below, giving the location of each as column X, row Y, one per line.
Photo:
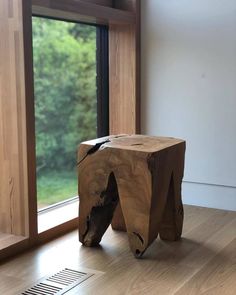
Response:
column 65, row 91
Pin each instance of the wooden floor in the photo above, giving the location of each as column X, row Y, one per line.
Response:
column 203, row 262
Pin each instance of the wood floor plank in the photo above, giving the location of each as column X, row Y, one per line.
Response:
column 204, row 258
column 196, row 215
column 209, row 247
column 217, row 277
column 10, row 285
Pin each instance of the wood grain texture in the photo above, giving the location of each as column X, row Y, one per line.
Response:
column 13, row 148
column 122, row 70
column 129, row 5
column 30, row 119
column 203, row 262
column 12, row 245
column 219, row 272
column 124, row 73
column 107, row 3
column 89, row 11
column 141, row 173
column 7, row 240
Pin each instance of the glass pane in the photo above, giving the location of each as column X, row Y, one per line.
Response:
column 65, row 103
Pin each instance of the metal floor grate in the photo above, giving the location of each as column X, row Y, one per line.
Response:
column 59, row 283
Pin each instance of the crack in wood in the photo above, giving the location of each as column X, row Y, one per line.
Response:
column 93, row 150
column 139, row 237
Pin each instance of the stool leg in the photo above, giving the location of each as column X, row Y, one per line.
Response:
column 135, row 205
column 100, row 216
column 172, row 218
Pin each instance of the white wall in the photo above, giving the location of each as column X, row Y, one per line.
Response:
column 189, row 90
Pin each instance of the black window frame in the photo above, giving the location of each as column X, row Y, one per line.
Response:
column 102, row 58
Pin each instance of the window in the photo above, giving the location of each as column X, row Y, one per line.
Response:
column 19, row 211
column 70, row 101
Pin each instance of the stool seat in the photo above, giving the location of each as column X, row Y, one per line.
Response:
column 134, row 183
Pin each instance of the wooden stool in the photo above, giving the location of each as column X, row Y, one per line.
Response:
column 133, row 182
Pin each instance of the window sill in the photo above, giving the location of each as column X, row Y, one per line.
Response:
column 57, row 215
column 7, row 240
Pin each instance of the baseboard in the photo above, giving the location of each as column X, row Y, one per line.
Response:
column 211, row 196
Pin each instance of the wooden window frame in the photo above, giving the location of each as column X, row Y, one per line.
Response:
column 123, row 19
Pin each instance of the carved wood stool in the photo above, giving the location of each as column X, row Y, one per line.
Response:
column 133, row 182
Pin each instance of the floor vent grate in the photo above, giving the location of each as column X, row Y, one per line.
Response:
column 59, row 283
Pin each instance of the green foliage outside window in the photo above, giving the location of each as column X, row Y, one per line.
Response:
column 65, row 102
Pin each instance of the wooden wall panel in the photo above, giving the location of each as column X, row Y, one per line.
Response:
column 124, row 75
column 99, row 12
column 13, row 151
column 107, row 3
column 129, row 5
column 122, row 96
